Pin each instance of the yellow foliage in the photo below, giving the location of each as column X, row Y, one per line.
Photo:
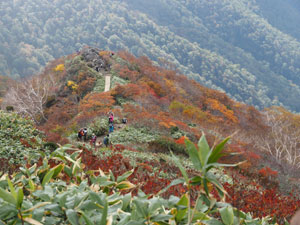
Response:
column 72, row 85
column 60, row 67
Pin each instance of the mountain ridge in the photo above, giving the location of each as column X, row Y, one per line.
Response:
column 224, row 45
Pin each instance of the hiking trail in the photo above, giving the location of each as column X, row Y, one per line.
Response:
column 107, row 83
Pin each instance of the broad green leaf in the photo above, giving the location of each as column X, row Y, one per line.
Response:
column 126, row 201
column 203, row 150
column 68, row 170
column 196, row 180
column 57, row 170
column 86, row 218
column 193, row 153
column 173, row 183
column 200, row 216
column 11, row 188
column 31, row 185
column 104, row 214
column 47, row 177
column 36, row 206
column 125, row 185
column 8, row 197
column 182, row 170
column 181, row 213
column 20, row 197
column 141, row 207
column 112, row 177
column 227, row 215
column 155, row 203
column 76, row 166
column 124, row 176
column 161, row 218
column 72, row 217
column 216, row 153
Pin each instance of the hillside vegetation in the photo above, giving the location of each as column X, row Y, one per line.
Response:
column 249, row 49
column 166, row 112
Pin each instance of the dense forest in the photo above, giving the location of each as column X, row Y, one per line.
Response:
column 249, row 49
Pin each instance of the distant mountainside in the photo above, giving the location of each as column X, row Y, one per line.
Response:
column 249, row 49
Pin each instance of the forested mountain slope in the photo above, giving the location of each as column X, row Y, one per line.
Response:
column 163, row 108
column 236, row 46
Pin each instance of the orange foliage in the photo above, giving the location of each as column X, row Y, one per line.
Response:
column 181, row 140
column 96, row 104
column 216, row 105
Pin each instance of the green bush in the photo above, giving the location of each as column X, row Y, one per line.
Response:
column 99, row 127
column 132, row 135
column 19, row 139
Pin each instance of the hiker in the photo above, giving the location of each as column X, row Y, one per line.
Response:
column 106, row 140
column 93, row 140
column 80, row 134
column 85, row 134
column 111, row 118
column 124, row 120
column 111, row 127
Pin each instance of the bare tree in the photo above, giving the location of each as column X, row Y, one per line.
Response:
column 29, row 96
column 283, row 139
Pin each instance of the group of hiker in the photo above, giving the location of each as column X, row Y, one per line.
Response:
column 83, row 132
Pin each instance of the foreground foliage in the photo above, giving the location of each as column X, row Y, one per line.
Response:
column 60, row 192
column 18, row 139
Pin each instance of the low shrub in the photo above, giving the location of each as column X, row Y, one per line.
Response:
column 165, row 145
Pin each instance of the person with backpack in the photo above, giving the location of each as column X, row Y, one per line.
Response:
column 111, row 128
column 80, row 134
column 106, row 140
column 85, row 134
column 93, row 140
column 124, row 120
column 111, row 118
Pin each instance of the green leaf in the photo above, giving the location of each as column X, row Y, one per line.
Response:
column 124, row 176
column 196, row 180
column 57, row 170
column 125, row 185
column 181, row 213
column 72, row 217
column 31, row 185
column 86, row 218
column 182, row 170
column 20, row 198
column 104, row 214
column 216, row 153
column 161, row 218
column 47, row 177
column 11, row 188
column 126, row 201
column 193, row 153
column 227, row 215
column 8, row 197
column 141, row 207
column 203, row 149
column 68, row 170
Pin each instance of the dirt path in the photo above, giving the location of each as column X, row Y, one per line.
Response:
column 107, row 83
